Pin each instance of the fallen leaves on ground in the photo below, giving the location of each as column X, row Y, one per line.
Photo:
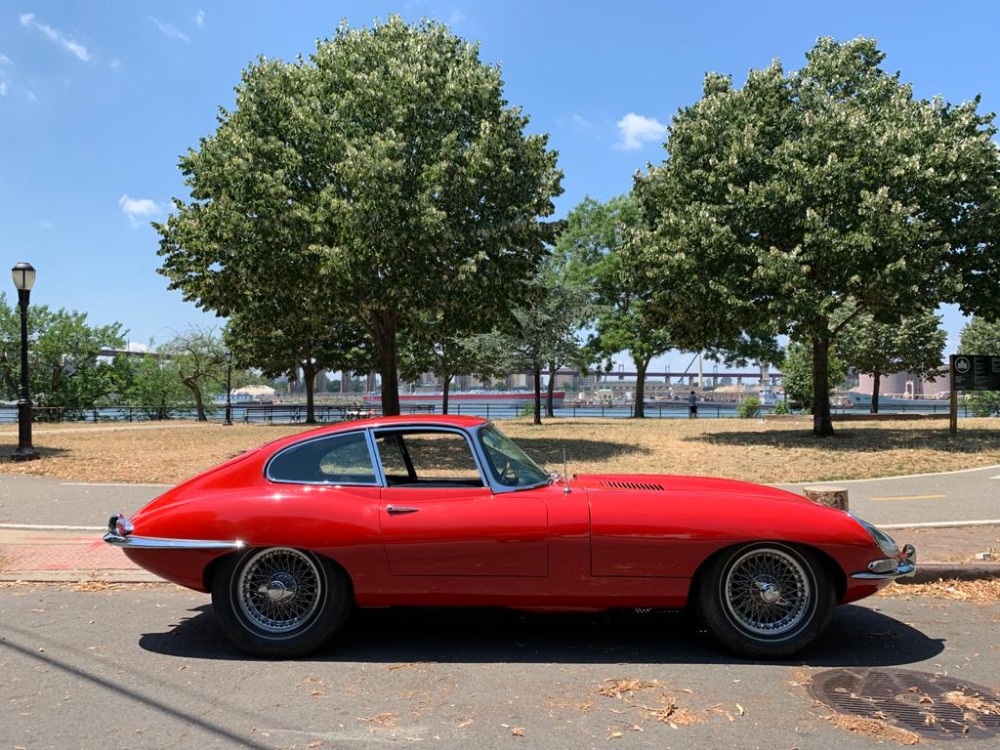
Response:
column 667, row 712
column 384, row 719
column 986, row 591
column 875, row 729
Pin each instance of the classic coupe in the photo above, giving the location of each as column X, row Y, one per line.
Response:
column 448, row 511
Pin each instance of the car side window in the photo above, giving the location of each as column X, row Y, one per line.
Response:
column 427, row 458
column 337, row 459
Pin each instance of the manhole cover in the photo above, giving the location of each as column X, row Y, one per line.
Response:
column 932, row 705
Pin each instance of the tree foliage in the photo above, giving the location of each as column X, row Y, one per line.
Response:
column 980, row 336
column 385, row 174
column 599, row 250
column 797, row 375
column 198, row 358
column 915, row 344
column 786, row 201
column 66, row 375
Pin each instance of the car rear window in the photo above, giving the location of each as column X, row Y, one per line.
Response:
column 336, row 459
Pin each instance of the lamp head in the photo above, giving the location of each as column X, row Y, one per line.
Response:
column 24, row 276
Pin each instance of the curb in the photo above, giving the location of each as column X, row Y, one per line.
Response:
column 932, row 572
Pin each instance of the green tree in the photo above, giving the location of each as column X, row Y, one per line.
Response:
column 915, row 344
column 151, row 384
column 785, row 201
column 391, row 155
column 284, row 339
column 546, row 335
column 798, row 379
column 982, row 336
column 600, row 244
column 198, row 358
column 67, row 376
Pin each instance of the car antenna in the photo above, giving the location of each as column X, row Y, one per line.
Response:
column 566, row 488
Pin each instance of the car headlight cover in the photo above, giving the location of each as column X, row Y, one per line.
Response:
column 885, row 542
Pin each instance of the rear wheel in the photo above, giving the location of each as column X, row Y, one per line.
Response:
column 280, row 601
column 767, row 600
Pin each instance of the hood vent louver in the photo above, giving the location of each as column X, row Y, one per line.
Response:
column 619, row 485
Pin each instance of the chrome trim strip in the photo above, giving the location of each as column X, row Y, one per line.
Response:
column 152, row 542
column 904, row 568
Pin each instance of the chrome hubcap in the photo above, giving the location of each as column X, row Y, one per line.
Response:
column 767, row 592
column 279, row 589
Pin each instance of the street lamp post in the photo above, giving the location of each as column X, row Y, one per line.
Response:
column 229, row 389
column 24, row 279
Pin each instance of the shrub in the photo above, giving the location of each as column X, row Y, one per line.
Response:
column 750, row 408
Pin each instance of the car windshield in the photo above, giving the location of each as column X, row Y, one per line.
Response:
column 508, row 464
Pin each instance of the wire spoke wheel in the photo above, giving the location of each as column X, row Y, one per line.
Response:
column 279, row 589
column 767, row 599
column 767, row 592
column 279, row 602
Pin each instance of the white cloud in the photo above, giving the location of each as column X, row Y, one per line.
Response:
column 457, row 16
column 138, row 209
column 637, row 130
column 199, row 19
column 4, row 60
column 581, row 122
column 3, row 87
column 170, row 31
column 54, row 35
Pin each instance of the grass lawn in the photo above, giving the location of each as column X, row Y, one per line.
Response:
column 755, row 450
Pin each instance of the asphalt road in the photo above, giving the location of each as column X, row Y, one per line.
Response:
column 145, row 667
column 954, row 497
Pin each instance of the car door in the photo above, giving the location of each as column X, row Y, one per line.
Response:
column 440, row 518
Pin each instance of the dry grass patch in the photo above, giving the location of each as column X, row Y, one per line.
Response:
column 769, row 452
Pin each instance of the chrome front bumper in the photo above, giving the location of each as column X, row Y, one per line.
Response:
column 891, row 568
column 120, row 535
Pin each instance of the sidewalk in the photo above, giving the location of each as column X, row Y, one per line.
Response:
column 49, row 530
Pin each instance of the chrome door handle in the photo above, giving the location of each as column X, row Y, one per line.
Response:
column 399, row 510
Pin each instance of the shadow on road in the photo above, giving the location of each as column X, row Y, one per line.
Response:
column 859, row 636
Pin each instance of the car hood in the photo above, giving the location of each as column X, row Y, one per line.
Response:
column 672, row 484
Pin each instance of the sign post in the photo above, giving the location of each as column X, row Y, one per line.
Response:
column 971, row 372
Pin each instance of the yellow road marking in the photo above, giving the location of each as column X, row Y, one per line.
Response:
column 910, row 497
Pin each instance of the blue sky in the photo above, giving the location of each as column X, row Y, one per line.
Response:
column 98, row 100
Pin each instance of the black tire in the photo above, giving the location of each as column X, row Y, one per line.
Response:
column 766, row 600
column 280, row 602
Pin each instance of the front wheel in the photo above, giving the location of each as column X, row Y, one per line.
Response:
column 280, row 602
column 766, row 600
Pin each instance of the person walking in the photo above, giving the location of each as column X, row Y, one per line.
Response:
column 692, row 406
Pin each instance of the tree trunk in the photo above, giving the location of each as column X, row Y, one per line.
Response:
column 822, row 421
column 445, row 388
column 536, row 373
column 876, row 387
column 385, row 344
column 639, row 412
column 192, row 385
column 550, row 391
column 309, row 376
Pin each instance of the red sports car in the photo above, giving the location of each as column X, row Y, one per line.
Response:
column 448, row 511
